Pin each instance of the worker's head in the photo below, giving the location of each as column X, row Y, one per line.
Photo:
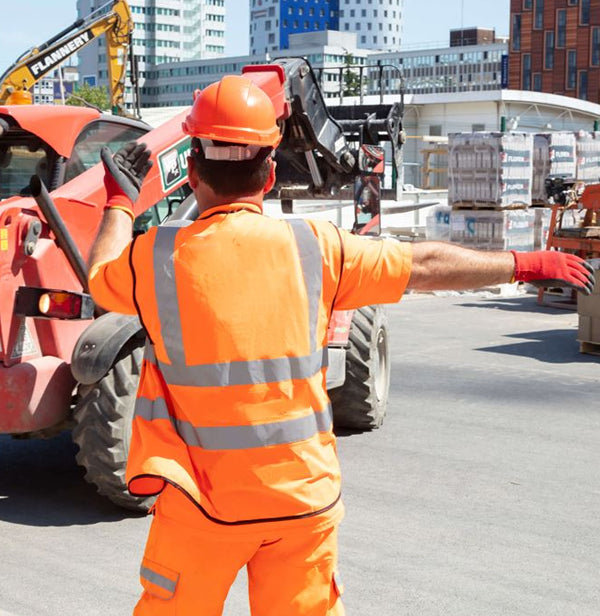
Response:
column 234, row 133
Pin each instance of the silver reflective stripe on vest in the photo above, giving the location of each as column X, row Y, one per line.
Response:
column 151, row 409
column 166, row 289
column 246, row 372
column 157, row 579
column 312, row 268
column 239, row 437
column 252, row 372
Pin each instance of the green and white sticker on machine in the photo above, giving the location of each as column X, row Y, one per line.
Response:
column 172, row 163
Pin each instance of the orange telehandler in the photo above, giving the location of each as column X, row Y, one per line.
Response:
column 66, row 365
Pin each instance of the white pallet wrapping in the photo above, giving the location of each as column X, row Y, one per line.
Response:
column 553, row 154
column 437, row 224
column 493, row 229
column 588, row 156
column 543, row 216
column 490, row 169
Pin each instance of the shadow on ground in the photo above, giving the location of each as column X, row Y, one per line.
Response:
column 527, row 303
column 41, row 485
column 555, row 346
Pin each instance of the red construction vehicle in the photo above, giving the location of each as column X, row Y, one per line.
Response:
column 63, row 364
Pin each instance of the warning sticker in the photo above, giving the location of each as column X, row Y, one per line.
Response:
column 25, row 344
column 172, row 163
column 3, row 240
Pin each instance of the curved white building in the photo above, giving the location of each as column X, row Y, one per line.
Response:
column 377, row 23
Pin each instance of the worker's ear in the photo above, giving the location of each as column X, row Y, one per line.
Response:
column 271, row 179
column 191, row 172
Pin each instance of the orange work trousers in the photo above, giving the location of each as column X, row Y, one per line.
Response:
column 188, row 568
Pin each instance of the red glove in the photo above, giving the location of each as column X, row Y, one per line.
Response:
column 550, row 268
column 124, row 173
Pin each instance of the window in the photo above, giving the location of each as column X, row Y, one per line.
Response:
column 527, row 5
column 582, row 90
column 516, row 32
column 526, row 71
column 538, row 22
column 561, row 28
column 571, row 69
column 549, row 50
column 537, row 82
column 584, row 13
column 595, row 59
column 19, row 161
column 86, row 151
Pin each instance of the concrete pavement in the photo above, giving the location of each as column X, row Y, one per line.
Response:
column 479, row 496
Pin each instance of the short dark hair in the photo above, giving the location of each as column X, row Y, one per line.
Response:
column 232, row 178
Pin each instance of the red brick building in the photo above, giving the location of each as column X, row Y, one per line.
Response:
column 555, row 47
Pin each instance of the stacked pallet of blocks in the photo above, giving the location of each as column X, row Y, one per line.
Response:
column 588, row 309
column 490, row 191
column 588, row 156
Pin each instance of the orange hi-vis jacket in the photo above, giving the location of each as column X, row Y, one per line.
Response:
column 232, row 406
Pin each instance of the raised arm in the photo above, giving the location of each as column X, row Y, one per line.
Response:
column 437, row 265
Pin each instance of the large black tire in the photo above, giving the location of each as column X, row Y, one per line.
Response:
column 361, row 402
column 103, row 418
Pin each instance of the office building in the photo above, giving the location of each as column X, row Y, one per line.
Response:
column 273, row 21
column 173, row 84
column 555, row 47
column 164, row 31
column 377, row 23
column 472, row 63
column 344, row 69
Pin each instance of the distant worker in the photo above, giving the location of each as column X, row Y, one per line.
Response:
column 233, row 425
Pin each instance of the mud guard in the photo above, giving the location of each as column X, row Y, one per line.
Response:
column 99, row 345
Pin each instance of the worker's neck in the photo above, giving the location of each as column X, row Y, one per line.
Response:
column 208, row 199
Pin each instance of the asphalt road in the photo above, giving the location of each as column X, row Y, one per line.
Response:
column 480, row 495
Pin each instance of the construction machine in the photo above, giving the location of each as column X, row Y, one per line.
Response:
column 113, row 20
column 64, row 363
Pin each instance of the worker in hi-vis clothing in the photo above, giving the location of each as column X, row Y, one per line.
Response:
column 233, row 425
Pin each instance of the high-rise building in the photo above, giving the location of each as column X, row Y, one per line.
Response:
column 272, row 21
column 164, row 31
column 378, row 24
column 555, row 47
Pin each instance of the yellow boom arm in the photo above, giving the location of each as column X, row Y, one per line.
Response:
column 112, row 19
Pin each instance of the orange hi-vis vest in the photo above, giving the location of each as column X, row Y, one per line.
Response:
column 232, row 406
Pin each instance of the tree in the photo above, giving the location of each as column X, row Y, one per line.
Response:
column 96, row 96
column 352, row 81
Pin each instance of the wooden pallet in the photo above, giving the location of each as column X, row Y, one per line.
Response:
column 580, row 232
column 591, row 348
column 478, row 205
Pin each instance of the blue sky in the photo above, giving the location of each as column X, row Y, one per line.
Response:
column 25, row 23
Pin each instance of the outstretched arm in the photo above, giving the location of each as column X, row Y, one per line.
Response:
column 437, row 265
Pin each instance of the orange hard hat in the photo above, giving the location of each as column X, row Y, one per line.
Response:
column 234, row 110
